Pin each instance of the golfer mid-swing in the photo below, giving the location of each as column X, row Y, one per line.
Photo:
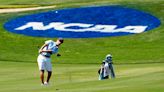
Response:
column 44, row 59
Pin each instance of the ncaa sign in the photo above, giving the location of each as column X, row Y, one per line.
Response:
column 85, row 22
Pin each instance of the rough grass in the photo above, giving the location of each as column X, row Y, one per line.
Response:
column 142, row 48
column 17, row 6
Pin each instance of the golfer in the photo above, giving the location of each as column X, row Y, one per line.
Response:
column 44, row 59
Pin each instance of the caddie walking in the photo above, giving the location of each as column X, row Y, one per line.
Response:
column 106, row 69
column 109, row 63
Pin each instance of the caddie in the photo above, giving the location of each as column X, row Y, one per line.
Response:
column 106, row 69
column 109, row 63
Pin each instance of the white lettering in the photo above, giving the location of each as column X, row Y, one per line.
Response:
column 39, row 26
column 81, row 27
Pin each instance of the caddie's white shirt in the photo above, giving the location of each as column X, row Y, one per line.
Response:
column 106, row 69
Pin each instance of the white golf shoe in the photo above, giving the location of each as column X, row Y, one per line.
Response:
column 46, row 83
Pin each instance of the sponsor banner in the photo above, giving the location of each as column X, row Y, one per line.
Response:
column 85, row 22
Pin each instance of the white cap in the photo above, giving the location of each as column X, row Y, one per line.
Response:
column 108, row 56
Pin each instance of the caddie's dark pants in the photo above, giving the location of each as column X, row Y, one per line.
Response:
column 112, row 71
column 106, row 77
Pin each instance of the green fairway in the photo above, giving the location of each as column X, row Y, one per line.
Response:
column 138, row 59
column 24, row 77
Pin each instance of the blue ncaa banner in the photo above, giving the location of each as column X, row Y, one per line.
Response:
column 85, row 22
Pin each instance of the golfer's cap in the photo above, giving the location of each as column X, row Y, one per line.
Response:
column 61, row 40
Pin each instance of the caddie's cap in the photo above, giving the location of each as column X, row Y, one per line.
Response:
column 109, row 56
